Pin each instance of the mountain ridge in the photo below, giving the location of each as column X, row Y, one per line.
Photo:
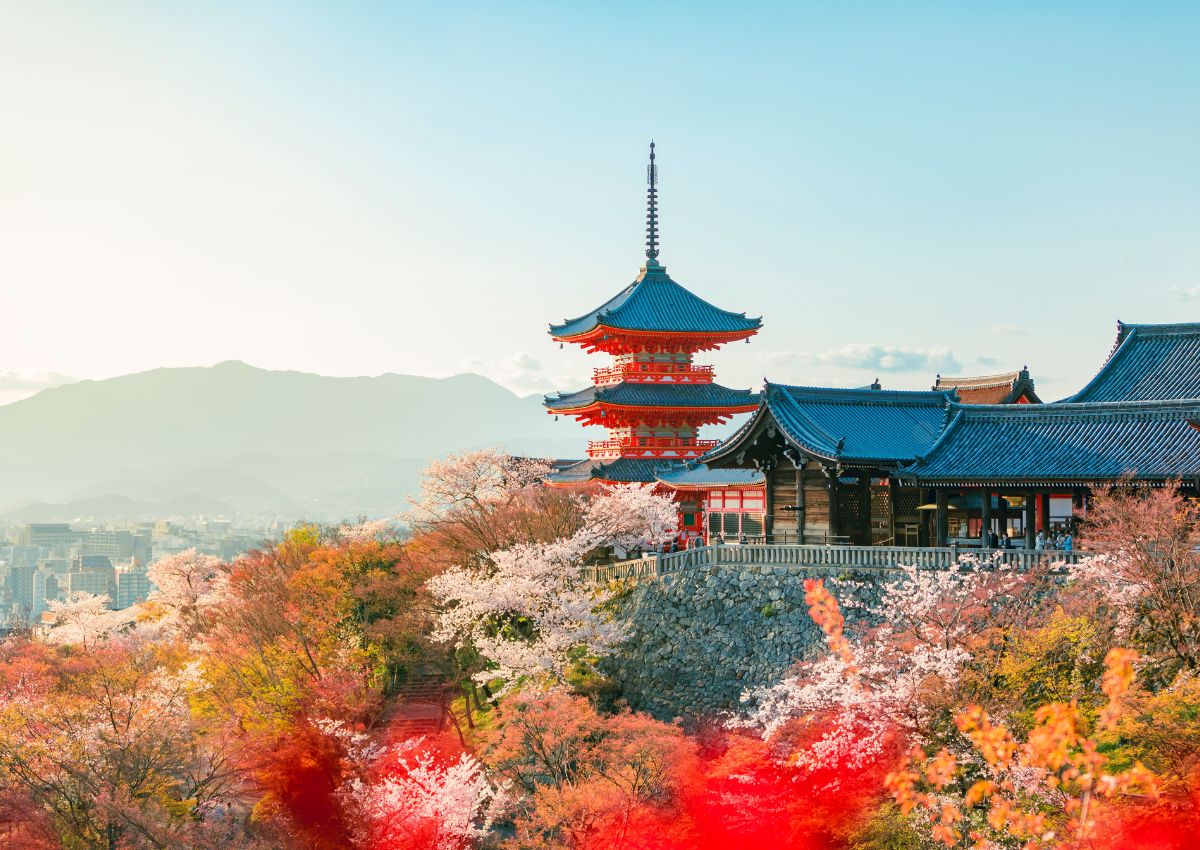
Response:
column 239, row 435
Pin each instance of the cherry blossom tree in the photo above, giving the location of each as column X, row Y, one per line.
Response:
column 187, row 580
column 526, row 608
column 109, row 750
column 1146, row 572
column 485, row 500
column 367, row 531
column 83, row 619
column 413, row 797
column 848, row 704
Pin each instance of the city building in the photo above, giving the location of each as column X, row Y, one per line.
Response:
column 92, row 574
column 116, row 544
column 48, row 535
column 133, row 586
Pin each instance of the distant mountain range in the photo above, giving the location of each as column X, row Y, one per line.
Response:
column 235, row 438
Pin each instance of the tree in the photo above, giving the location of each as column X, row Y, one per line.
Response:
column 1146, row 572
column 105, row 745
column 1043, row 792
column 484, row 501
column 849, row 705
column 84, row 618
column 583, row 779
column 526, row 608
column 418, row 796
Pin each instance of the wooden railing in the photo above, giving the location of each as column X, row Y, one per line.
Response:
column 650, row 446
column 845, row 557
column 637, row 373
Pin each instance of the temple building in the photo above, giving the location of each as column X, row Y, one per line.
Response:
column 654, row 398
column 972, row 462
column 874, row 467
column 1148, row 363
column 1009, row 388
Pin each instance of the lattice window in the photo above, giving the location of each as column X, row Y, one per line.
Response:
column 907, row 501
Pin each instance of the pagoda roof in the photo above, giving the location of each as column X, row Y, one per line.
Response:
column 656, row 303
column 653, row 395
column 1005, row 388
column 699, row 475
column 1065, row 443
column 848, row 425
column 620, row 470
column 1147, row 363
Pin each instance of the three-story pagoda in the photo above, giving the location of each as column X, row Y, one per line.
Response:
column 653, row 399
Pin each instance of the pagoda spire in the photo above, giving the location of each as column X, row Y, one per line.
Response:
column 652, row 210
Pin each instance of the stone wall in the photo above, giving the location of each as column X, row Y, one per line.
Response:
column 701, row 636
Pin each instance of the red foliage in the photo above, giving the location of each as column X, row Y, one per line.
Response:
column 744, row 797
column 1169, row 824
column 300, row 775
column 388, row 834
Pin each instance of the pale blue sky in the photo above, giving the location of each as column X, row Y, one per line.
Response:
column 354, row 188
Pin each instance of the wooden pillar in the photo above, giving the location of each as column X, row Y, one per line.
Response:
column 892, row 509
column 1002, row 517
column 941, row 520
column 800, row 506
column 1030, row 520
column 985, row 524
column 1044, row 512
column 768, row 507
column 922, row 522
column 864, row 510
column 834, row 525
column 1077, row 506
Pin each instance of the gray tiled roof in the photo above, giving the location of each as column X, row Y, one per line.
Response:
column 654, row 395
column 851, row 425
column 701, row 475
column 1148, row 362
column 1089, row 442
column 619, row 470
column 654, row 302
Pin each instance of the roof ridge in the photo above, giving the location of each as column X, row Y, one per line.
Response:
column 1163, row 328
column 1060, row 409
column 996, row 380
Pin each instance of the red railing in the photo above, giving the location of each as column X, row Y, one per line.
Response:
column 646, row 373
column 649, row 447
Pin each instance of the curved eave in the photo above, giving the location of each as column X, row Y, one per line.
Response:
column 755, row 426
column 731, row 443
column 722, row 409
column 601, row 332
column 1090, row 481
column 1123, row 343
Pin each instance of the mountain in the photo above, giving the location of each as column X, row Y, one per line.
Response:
column 253, row 440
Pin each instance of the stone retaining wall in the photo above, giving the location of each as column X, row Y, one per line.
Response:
column 701, row 636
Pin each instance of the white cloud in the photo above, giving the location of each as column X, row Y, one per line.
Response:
column 989, row 362
column 524, row 374
column 15, row 386
column 876, row 357
column 1007, row 330
column 32, row 381
column 1180, row 294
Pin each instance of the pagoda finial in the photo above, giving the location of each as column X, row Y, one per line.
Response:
column 652, row 210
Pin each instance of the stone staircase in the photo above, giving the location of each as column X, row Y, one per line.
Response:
column 420, row 707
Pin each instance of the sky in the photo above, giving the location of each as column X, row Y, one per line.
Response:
column 352, row 188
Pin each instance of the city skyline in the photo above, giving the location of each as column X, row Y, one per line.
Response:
column 898, row 194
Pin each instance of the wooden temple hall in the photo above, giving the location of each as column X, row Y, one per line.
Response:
column 876, row 467
column 970, row 461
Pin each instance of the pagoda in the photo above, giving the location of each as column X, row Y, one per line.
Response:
column 653, row 399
